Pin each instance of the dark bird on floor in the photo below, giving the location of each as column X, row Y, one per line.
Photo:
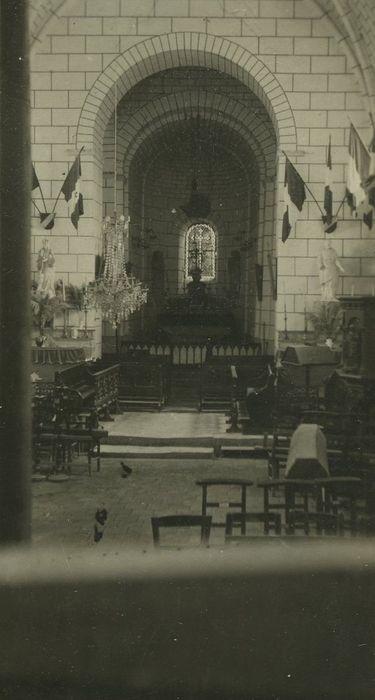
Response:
column 126, row 471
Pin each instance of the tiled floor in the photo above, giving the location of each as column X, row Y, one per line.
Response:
column 63, row 512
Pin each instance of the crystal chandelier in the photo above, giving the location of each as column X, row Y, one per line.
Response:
column 117, row 293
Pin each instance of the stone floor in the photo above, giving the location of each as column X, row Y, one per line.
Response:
column 171, row 424
column 63, row 512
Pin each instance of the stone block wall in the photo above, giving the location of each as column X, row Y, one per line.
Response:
column 286, row 51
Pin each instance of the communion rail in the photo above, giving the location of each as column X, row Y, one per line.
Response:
column 191, row 353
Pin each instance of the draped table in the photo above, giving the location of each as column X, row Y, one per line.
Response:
column 57, row 356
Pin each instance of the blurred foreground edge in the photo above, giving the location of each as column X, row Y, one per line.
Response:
column 269, row 621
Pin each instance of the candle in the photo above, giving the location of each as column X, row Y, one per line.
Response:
column 63, row 290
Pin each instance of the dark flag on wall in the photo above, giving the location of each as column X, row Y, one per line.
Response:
column 358, row 170
column 329, row 221
column 70, row 190
column 34, row 179
column 294, row 197
column 47, row 219
column 369, row 186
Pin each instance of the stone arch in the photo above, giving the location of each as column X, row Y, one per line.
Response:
column 183, row 49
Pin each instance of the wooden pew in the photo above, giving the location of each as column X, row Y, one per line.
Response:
column 95, row 383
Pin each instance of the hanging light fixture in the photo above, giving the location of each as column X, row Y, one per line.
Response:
column 116, row 292
column 199, row 204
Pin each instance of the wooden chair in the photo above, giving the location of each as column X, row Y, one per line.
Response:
column 287, row 495
column 278, row 453
column 206, row 484
column 270, row 520
column 181, row 521
column 341, row 495
column 325, row 523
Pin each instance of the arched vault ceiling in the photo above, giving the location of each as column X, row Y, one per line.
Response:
column 259, row 146
column 203, row 139
column 41, row 12
column 182, row 95
column 354, row 23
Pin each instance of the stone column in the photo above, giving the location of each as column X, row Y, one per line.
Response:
column 15, row 413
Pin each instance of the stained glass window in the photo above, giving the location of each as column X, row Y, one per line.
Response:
column 201, row 251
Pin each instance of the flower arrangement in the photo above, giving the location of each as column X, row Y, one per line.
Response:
column 43, row 308
column 326, row 319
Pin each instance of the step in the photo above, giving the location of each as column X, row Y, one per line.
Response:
column 226, row 440
column 156, row 452
column 240, row 451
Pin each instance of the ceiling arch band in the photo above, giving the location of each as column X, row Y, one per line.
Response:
column 183, row 49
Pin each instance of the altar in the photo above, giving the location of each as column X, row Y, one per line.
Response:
column 181, row 321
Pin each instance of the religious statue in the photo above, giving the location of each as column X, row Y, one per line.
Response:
column 46, row 268
column 329, row 267
column 196, row 288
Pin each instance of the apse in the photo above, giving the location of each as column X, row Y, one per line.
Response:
column 193, row 149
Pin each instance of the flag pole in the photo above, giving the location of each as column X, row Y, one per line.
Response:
column 43, row 200
column 36, row 206
column 307, row 187
column 57, row 198
column 340, row 206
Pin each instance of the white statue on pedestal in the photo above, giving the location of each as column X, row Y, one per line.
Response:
column 46, row 269
column 329, row 268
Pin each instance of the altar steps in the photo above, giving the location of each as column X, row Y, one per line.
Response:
column 170, row 451
column 178, row 435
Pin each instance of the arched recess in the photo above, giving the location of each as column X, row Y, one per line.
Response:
column 158, row 54
column 233, row 149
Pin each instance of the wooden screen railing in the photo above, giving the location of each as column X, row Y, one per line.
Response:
column 192, row 353
column 96, row 383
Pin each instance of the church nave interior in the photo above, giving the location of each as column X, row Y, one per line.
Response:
column 187, row 384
